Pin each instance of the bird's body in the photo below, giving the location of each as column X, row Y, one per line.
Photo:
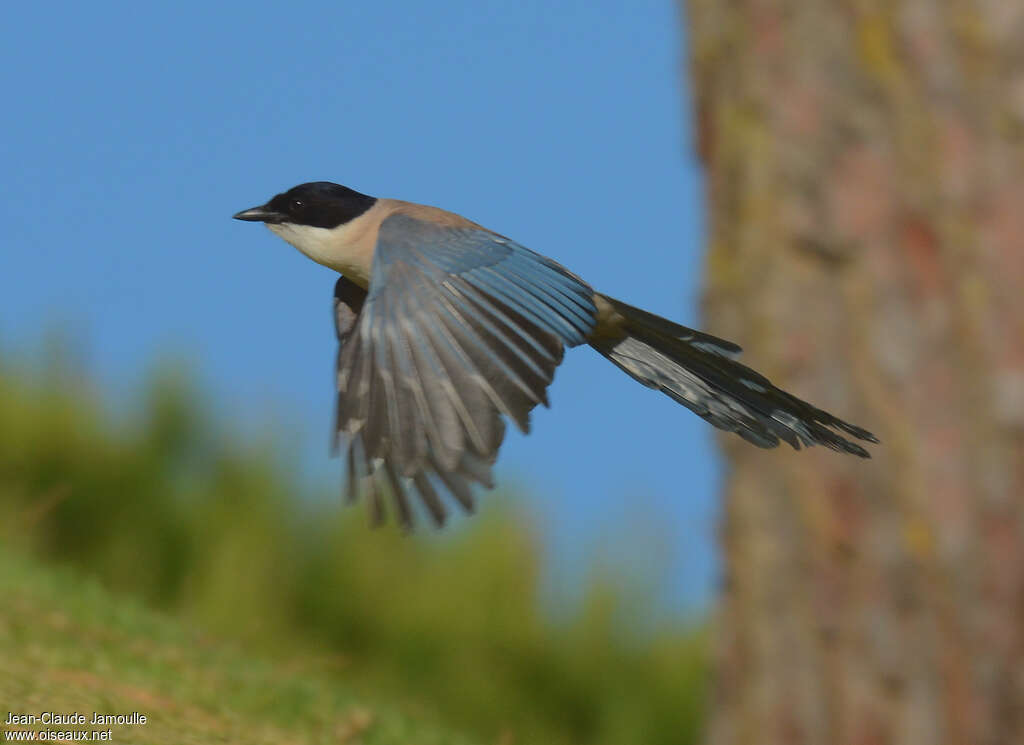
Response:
column 446, row 327
column 348, row 248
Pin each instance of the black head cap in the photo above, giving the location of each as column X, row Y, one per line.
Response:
column 320, row 204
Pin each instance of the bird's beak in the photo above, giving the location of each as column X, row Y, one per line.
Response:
column 259, row 214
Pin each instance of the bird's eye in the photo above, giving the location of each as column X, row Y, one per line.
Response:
column 297, row 205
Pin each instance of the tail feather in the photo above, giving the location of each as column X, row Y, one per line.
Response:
column 698, row 371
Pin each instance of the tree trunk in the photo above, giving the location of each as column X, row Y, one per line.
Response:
column 865, row 176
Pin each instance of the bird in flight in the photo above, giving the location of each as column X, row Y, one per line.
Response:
column 445, row 327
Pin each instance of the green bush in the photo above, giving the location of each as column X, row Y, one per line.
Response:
column 173, row 508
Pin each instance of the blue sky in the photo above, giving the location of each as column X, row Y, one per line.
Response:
column 134, row 131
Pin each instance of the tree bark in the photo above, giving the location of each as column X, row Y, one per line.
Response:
column 865, row 180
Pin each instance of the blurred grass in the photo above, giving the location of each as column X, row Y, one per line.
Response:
column 67, row 645
column 176, row 510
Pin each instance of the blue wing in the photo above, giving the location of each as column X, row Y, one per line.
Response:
column 459, row 328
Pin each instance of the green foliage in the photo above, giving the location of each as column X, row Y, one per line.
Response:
column 185, row 516
column 69, row 646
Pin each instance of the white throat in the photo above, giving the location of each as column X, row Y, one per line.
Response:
column 343, row 249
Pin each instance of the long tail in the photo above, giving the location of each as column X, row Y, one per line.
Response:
column 700, row 372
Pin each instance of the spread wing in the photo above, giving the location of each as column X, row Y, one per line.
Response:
column 460, row 327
